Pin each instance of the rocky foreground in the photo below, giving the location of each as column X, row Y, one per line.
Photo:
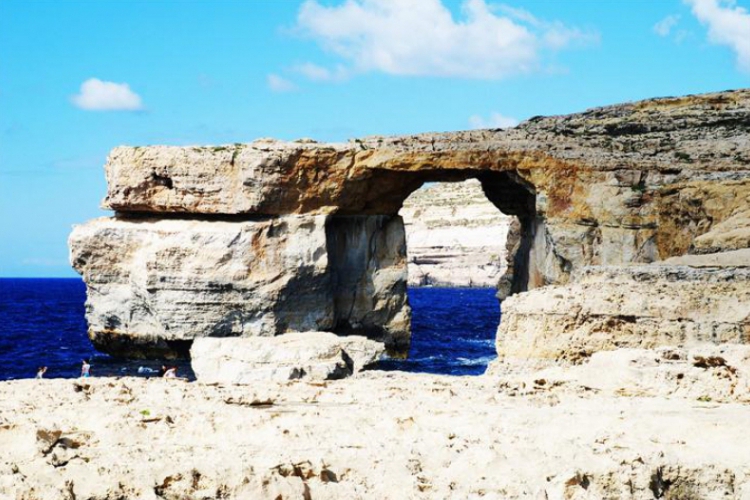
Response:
column 635, row 424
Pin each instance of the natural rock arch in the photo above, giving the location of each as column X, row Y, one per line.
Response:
column 268, row 237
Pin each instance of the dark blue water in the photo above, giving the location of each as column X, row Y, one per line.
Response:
column 453, row 331
column 42, row 323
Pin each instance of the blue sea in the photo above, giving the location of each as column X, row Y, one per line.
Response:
column 42, row 323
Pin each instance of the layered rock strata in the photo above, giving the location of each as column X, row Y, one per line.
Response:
column 632, row 183
column 455, row 236
column 684, row 301
column 156, row 284
column 640, row 307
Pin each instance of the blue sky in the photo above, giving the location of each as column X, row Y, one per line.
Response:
column 78, row 78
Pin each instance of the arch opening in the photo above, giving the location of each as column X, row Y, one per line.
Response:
column 462, row 249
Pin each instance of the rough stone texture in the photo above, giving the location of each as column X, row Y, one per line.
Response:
column 734, row 258
column 733, row 233
column 645, row 306
column 455, row 236
column 631, row 183
column 703, row 373
column 627, row 183
column 154, row 285
column 304, row 355
column 367, row 258
column 512, row 246
column 385, row 436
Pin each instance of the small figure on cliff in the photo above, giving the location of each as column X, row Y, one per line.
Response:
column 41, row 371
column 171, row 372
column 85, row 368
column 162, row 370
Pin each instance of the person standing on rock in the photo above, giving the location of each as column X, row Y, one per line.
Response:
column 41, row 371
column 85, row 368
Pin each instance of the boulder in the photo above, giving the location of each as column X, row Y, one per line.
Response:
column 304, row 355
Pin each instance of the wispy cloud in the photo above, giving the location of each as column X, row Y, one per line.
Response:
column 664, row 27
column 728, row 24
column 495, row 120
column 320, row 74
column 279, row 84
column 422, row 38
column 99, row 95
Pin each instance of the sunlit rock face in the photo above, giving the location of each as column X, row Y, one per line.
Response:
column 455, row 236
column 646, row 306
column 293, row 356
column 155, row 284
column 631, row 183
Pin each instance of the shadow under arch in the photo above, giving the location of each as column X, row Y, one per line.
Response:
column 361, row 244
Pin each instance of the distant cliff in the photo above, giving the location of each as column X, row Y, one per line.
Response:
column 455, row 236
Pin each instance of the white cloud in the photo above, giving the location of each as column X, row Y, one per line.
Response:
column 664, row 27
column 98, row 95
column 496, row 120
column 728, row 24
column 320, row 74
column 279, row 84
column 421, row 37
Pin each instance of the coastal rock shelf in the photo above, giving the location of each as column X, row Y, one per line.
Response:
column 389, row 436
column 644, row 306
column 627, row 184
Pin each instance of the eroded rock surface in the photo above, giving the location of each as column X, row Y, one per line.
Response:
column 455, row 236
column 156, row 284
column 631, row 183
column 627, row 183
column 304, row 355
column 385, row 436
column 646, row 306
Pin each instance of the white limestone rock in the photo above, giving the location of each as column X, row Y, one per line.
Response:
column 455, row 236
column 645, row 306
column 303, row 355
column 704, row 372
column 385, row 436
column 156, row 284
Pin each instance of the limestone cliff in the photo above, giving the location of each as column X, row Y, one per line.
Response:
column 455, row 236
column 646, row 306
column 631, row 183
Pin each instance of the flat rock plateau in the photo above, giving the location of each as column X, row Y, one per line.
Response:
column 379, row 435
column 623, row 368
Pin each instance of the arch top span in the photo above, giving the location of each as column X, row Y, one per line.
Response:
column 600, row 187
column 271, row 178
